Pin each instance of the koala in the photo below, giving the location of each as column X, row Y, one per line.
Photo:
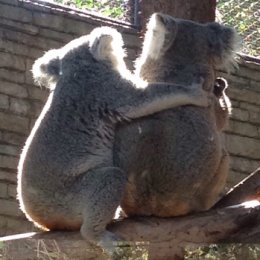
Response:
column 220, row 86
column 223, row 106
column 176, row 160
column 67, row 179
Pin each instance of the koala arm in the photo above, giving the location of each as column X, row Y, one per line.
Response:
column 161, row 96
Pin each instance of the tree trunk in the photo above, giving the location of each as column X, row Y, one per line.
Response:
column 196, row 10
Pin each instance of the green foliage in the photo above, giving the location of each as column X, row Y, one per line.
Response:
column 244, row 16
column 111, row 8
column 131, row 251
column 224, row 252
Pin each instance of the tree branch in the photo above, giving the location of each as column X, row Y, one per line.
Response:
column 247, row 189
column 162, row 238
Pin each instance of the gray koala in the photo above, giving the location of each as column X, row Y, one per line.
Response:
column 67, row 179
column 176, row 160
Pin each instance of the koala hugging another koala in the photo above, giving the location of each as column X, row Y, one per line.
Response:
column 176, row 160
column 67, row 179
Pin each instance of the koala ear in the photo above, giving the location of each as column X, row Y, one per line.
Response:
column 101, row 47
column 165, row 22
column 46, row 70
column 161, row 32
column 106, row 44
column 222, row 42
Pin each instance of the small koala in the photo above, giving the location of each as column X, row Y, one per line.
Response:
column 176, row 160
column 219, row 87
column 223, row 104
column 67, row 179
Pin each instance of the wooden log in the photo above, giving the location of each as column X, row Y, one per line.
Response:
column 160, row 238
column 247, row 189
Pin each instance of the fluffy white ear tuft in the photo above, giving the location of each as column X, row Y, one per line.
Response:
column 161, row 32
column 106, row 44
column 46, row 70
column 223, row 44
column 154, row 37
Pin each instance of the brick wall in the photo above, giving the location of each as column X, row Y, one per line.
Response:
column 27, row 29
column 243, row 131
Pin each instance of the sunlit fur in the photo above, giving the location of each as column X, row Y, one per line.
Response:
column 153, row 41
column 157, row 33
column 105, row 44
column 67, row 179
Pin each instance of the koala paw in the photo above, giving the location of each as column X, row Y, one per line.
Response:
column 109, row 242
column 198, row 84
column 114, row 247
column 203, row 97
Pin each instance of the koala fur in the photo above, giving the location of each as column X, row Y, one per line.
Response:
column 67, row 179
column 176, row 161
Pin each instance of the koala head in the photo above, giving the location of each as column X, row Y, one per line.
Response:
column 182, row 50
column 104, row 45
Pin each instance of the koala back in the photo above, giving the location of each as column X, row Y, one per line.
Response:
column 172, row 156
column 74, row 130
column 174, row 159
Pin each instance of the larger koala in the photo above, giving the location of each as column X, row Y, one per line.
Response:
column 176, row 160
column 67, row 179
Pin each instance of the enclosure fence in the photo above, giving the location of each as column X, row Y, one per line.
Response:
column 243, row 15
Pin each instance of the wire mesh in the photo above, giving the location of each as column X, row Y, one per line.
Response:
column 244, row 16
column 119, row 9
